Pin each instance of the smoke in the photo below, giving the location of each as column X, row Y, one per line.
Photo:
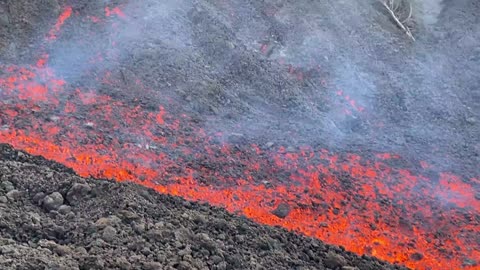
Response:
column 337, row 74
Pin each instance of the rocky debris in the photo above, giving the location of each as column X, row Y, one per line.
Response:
column 335, row 260
column 77, row 192
column 52, row 201
column 109, row 234
column 469, row 262
column 416, row 256
column 64, row 209
column 14, row 195
column 282, row 210
column 471, row 120
column 7, row 186
column 126, row 226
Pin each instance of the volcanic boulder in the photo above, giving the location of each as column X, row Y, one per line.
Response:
column 282, row 210
column 52, row 201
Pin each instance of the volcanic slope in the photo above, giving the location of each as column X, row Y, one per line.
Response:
column 53, row 219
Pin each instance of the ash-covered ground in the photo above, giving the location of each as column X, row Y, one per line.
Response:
column 52, row 219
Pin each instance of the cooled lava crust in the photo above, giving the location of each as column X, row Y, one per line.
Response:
column 316, row 116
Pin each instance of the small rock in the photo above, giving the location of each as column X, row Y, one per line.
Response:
column 76, row 192
column 52, row 201
column 81, row 251
column 3, row 199
column 324, row 224
column 185, row 251
column 416, row 256
column 6, row 241
column 239, row 238
column 350, row 268
column 47, row 244
column 62, row 250
column 153, row 266
column 230, row 45
column 477, row 196
column 4, row 20
column 335, row 260
column 282, row 210
column 199, row 219
column 269, row 144
column 14, row 195
column 469, row 262
column 64, row 209
column 39, row 197
column 128, row 215
column 290, row 149
column 92, row 262
column 216, row 259
column 123, row 263
column 222, row 266
column 7, row 186
column 205, row 241
column 34, row 217
column 10, row 249
column 471, row 120
column 109, row 234
column 98, row 243
column 102, row 223
column 183, row 265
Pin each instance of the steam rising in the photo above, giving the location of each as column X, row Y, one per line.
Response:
column 402, row 89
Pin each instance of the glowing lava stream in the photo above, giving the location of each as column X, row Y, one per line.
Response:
column 364, row 205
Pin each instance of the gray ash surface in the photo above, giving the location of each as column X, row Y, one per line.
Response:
column 52, row 219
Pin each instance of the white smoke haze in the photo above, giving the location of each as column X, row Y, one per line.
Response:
column 415, row 95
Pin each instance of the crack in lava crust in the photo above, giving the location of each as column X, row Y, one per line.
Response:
column 362, row 204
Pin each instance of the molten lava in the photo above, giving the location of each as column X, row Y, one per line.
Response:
column 363, row 204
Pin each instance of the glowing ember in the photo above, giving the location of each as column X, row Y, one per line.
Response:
column 362, row 204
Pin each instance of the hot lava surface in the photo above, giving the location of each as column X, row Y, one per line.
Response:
column 76, row 98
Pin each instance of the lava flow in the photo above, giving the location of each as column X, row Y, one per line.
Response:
column 363, row 204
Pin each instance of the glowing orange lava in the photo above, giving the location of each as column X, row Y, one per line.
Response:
column 362, row 204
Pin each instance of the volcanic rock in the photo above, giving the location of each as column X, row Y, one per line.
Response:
column 7, row 186
column 4, row 20
column 123, row 263
column 469, row 262
column 471, row 120
column 3, row 199
column 52, row 201
column 64, row 209
column 14, row 195
column 335, row 260
column 153, row 266
column 76, row 192
column 109, row 234
column 416, row 256
column 38, row 197
column 282, row 210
